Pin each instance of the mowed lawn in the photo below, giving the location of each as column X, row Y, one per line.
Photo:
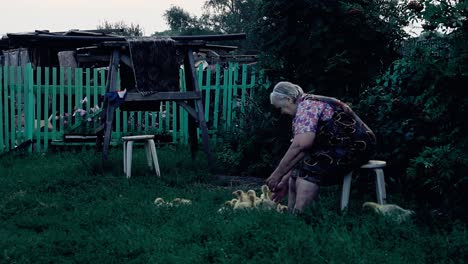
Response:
column 71, row 208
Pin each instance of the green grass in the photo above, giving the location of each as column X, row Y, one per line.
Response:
column 69, row 208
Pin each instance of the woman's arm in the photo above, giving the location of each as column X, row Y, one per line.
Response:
column 295, row 153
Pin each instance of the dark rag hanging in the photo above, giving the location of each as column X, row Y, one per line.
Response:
column 155, row 64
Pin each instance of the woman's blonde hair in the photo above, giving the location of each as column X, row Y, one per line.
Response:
column 283, row 90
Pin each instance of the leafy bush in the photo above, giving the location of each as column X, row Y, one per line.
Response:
column 418, row 110
column 256, row 142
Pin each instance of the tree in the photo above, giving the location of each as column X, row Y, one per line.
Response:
column 234, row 16
column 330, row 47
column 133, row 30
column 182, row 23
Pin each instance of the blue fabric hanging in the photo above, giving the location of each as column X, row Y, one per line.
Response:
column 116, row 98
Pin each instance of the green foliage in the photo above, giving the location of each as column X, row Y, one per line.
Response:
column 329, row 47
column 132, row 30
column 252, row 146
column 418, row 110
column 439, row 15
column 219, row 17
column 57, row 208
column 234, row 16
column 440, row 168
column 182, row 23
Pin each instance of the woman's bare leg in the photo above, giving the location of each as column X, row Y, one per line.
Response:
column 292, row 194
column 306, row 193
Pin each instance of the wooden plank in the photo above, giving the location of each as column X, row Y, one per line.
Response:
column 38, row 108
column 199, row 71
column 216, row 101
column 243, row 88
column 46, row 107
column 191, row 83
column 29, row 115
column 109, row 109
column 5, row 123
column 69, row 97
column 19, row 87
column 12, row 112
column 125, row 122
column 235, row 92
column 182, row 128
column 78, row 94
column 225, row 96
column 252, row 82
column 147, row 124
column 174, row 122
column 167, row 117
column 132, row 121
column 89, row 104
column 118, row 114
column 163, row 96
column 61, row 100
column 153, row 120
column 95, row 92
column 192, row 86
column 54, row 105
column 2, row 135
column 160, row 120
column 139, row 121
column 229, row 98
column 207, row 95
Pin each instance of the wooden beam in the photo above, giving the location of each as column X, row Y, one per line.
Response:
column 192, row 85
column 163, row 96
column 108, row 107
column 189, row 109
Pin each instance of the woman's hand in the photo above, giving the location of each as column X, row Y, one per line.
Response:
column 273, row 181
column 281, row 190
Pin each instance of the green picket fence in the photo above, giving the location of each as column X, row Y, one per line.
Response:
column 45, row 104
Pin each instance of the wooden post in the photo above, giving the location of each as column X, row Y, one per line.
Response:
column 192, row 85
column 1, row 114
column 109, row 109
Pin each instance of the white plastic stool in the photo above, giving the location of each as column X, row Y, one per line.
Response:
column 377, row 166
column 150, row 150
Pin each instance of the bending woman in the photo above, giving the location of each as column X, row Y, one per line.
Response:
column 329, row 141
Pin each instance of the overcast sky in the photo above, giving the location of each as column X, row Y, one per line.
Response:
column 62, row 15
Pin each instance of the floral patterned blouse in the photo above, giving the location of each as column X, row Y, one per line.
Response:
column 309, row 113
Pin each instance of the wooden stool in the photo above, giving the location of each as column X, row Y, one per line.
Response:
column 150, row 149
column 377, row 166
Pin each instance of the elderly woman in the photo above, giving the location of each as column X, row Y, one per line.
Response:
column 329, row 141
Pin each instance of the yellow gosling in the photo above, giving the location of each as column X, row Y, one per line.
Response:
column 257, row 201
column 247, row 204
column 390, row 210
column 178, row 201
column 266, row 193
column 281, row 208
column 241, row 196
column 159, row 201
column 231, row 203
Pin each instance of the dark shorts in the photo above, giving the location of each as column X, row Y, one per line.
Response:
column 326, row 168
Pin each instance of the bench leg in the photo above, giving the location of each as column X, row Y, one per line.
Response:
column 129, row 158
column 346, row 190
column 380, row 186
column 125, row 156
column 155, row 157
column 148, row 155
